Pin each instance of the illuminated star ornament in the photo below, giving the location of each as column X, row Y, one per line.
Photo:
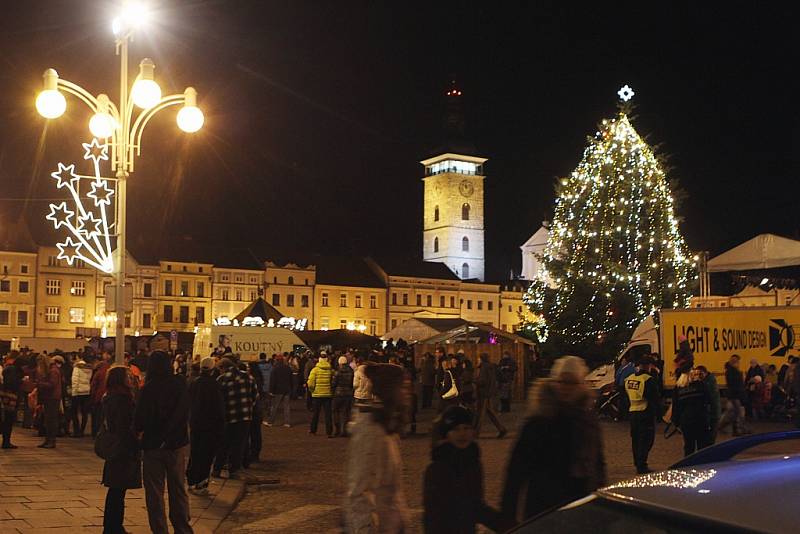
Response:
column 625, row 93
column 87, row 225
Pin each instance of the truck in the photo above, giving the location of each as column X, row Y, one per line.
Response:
column 246, row 341
column 766, row 334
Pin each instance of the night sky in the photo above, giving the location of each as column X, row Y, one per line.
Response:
column 317, row 113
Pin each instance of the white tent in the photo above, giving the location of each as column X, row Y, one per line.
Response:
column 765, row 251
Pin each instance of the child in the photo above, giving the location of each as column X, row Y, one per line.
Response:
column 453, row 488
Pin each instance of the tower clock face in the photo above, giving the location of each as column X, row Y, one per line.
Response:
column 466, row 188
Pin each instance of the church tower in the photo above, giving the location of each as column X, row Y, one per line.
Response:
column 453, row 216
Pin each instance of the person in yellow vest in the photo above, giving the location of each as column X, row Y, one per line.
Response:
column 645, row 407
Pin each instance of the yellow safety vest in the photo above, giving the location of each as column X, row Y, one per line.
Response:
column 634, row 387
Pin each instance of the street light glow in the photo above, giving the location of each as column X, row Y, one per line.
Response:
column 102, row 125
column 134, row 15
column 145, row 92
column 190, row 117
column 50, row 103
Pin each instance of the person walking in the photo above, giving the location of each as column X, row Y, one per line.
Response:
column 9, row 394
column 691, row 411
column 734, row 411
column 427, row 379
column 453, row 496
column 507, row 371
column 206, row 425
column 319, row 387
column 48, row 386
column 97, row 389
column 362, row 388
column 487, row 391
column 714, row 409
column 264, row 369
column 281, row 385
column 449, row 387
column 342, row 397
column 81, row 390
column 239, row 396
column 310, row 363
column 558, row 456
column 161, row 419
column 374, row 497
column 645, row 409
column 122, row 469
column 64, row 366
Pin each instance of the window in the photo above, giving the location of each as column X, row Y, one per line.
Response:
column 519, row 309
column 128, row 320
column 325, row 299
column 325, row 323
column 373, row 302
column 199, row 269
column 168, row 288
column 5, row 286
column 78, row 288
column 436, row 244
column 184, row 288
column 394, row 323
column 276, row 299
column 53, row 287
column 3, row 317
column 430, row 300
column 200, row 315
column 343, row 324
column 105, row 288
column 253, row 279
column 373, row 327
column 306, row 281
column 394, row 299
column 465, row 270
column 224, row 294
column 239, row 294
column 147, row 289
column 168, row 314
column 22, row 318
column 224, row 277
column 304, row 301
column 238, row 279
column 51, row 314
column 452, row 302
column 436, row 213
column 480, row 305
column 169, row 267
column 469, row 304
column 147, row 320
column 78, row 264
column 490, row 305
column 76, row 315
column 465, row 212
column 291, row 280
column 419, row 299
column 274, row 279
column 509, row 308
column 253, row 295
column 201, row 289
column 358, row 301
column 405, row 299
column 23, row 269
column 290, row 301
column 441, row 301
column 53, row 261
column 342, row 300
column 465, row 244
column 183, row 314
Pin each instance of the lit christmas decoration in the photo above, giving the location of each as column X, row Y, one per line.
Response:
column 89, row 239
column 615, row 253
column 625, row 93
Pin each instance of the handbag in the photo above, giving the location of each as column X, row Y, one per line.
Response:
column 106, row 444
column 453, row 391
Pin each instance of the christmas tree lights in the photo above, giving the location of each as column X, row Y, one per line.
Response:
column 615, row 253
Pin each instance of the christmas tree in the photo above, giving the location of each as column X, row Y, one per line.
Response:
column 615, row 253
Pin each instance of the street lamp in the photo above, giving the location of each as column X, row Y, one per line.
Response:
column 121, row 128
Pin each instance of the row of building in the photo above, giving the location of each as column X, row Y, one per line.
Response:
column 42, row 296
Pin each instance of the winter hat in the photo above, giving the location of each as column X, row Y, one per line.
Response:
column 569, row 365
column 385, row 377
column 323, row 354
column 452, row 417
column 207, row 363
column 342, row 360
column 757, row 379
column 58, row 358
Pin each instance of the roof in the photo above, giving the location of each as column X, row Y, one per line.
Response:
column 481, row 331
column 538, row 239
column 759, row 495
column 417, row 268
column 764, row 251
column 442, row 325
column 260, row 308
column 341, row 271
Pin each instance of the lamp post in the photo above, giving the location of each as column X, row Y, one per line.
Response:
column 121, row 128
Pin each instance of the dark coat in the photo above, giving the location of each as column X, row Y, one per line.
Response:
column 280, row 381
column 343, row 381
column 162, row 414
column 207, row 409
column 692, row 406
column 487, row 380
column 124, row 470
column 453, row 492
column 734, row 382
column 558, row 456
column 428, row 371
column 49, row 386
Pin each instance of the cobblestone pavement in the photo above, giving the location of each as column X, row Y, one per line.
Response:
column 310, row 472
column 46, row 491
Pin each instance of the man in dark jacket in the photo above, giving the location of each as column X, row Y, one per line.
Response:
column 487, row 390
column 161, row 420
column 280, row 390
column 9, row 392
column 428, row 379
column 207, row 423
column 97, row 390
column 239, row 396
column 342, row 397
column 736, row 393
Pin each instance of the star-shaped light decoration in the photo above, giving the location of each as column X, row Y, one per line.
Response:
column 625, row 93
column 95, row 151
column 70, row 180
column 100, row 193
column 60, row 215
column 69, row 250
column 89, row 225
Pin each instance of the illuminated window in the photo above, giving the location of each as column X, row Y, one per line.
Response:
column 325, row 323
column 342, row 300
column 51, row 314
column 53, row 287
column 325, row 299
column 465, row 212
column 78, row 288
column 224, row 294
column 184, row 289
column 373, row 301
column 343, row 324
column 358, row 301
column 201, row 289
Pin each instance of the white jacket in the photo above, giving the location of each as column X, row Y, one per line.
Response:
column 375, row 501
column 81, row 378
column 362, row 387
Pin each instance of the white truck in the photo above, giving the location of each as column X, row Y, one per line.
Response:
column 714, row 334
column 246, row 341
